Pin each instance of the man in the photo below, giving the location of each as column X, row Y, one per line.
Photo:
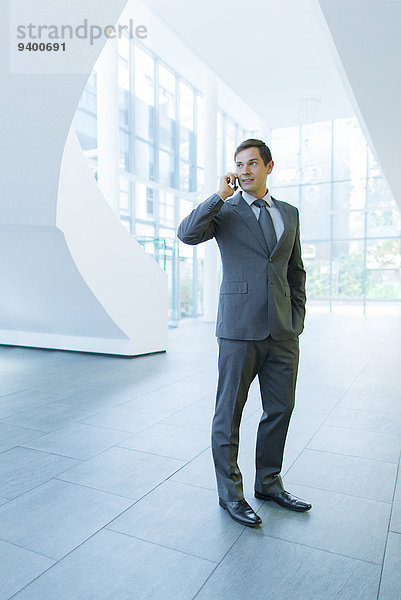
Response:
column 260, row 316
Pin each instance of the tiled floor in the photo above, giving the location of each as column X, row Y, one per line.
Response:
column 107, row 488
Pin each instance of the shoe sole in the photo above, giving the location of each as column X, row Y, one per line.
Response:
column 266, row 499
column 240, row 521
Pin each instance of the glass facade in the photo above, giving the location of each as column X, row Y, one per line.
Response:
column 162, row 162
column 350, row 224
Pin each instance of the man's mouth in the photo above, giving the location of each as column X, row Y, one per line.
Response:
column 247, row 180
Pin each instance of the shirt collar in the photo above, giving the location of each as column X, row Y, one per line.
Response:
column 250, row 199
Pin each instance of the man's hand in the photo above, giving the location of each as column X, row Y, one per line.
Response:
column 228, row 185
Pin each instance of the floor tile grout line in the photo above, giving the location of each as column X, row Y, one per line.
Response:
column 351, row 456
column 136, row 537
column 388, row 528
column 313, row 487
column 219, row 563
column 371, row 562
column 5, row 541
column 332, row 410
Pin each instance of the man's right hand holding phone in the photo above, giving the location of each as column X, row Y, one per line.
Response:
column 228, row 185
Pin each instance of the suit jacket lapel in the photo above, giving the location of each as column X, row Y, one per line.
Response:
column 246, row 213
column 285, row 217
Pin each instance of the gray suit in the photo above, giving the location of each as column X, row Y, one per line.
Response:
column 260, row 316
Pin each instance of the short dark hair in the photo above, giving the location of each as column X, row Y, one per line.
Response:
column 264, row 151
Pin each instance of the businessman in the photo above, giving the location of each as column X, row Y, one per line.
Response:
column 260, row 316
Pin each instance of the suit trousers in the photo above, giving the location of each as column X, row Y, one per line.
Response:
column 276, row 364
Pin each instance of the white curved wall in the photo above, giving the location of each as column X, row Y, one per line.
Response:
column 71, row 277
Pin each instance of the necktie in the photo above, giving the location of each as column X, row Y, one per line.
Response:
column 266, row 225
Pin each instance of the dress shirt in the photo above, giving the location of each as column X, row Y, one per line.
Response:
column 271, row 207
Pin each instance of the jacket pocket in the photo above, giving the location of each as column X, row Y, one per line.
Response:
column 234, row 287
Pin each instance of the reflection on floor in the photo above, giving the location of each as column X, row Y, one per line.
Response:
column 107, row 489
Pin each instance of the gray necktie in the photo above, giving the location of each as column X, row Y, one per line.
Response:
column 266, row 225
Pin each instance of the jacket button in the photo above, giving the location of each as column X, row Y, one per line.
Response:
column 270, row 260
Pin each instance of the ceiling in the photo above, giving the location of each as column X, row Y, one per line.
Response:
column 272, row 53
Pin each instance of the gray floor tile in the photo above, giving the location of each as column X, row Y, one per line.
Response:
column 18, row 567
column 11, row 435
column 261, row 567
column 197, row 416
column 365, row 421
column 79, row 440
column 122, row 471
column 338, row 523
column 395, row 524
column 159, row 517
column 365, row 444
column 127, row 417
column 113, row 566
column 22, row 469
column 169, row 440
column 5, row 413
column 57, row 516
column 200, row 473
column 46, row 417
column 27, row 399
column 344, row 474
column 379, row 401
column 308, row 420
column 390, row 585
column 94, row 400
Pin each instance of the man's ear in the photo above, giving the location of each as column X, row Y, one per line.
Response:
column 269, row 167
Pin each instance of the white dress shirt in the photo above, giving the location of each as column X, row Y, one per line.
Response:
column 271, row 207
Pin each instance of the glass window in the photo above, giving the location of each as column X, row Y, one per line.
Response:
column 200, row 130
column 316, row 151
column 230, row 140
column 124, row 150
column 166, row 92
column 166, row 209
column 144, row 202
column 383, row 223
column 383, row 254
column 285, row 148
column 220, row 151
column 379, row 196
column 123, row 47
column 186, row 106
column 86, row 127
column 144, row 76
column 349, row 195
column 349, row 224
column 144, row 160
column 316, row 198
column 123, row 105
column 123, row 74
column 316, row 257
column 184, row 176
column 186, row 287
column 144, row 120
column 349, row 150
column 288, row 194
column 166, row 168
column 348, row 269
column 124, row 196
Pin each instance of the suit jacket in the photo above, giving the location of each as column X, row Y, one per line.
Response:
column 260, row 294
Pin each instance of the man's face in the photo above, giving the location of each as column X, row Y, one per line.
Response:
column 252, row 172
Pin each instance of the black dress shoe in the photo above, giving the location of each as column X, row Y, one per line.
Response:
column 286, row 500
column 240, row 511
